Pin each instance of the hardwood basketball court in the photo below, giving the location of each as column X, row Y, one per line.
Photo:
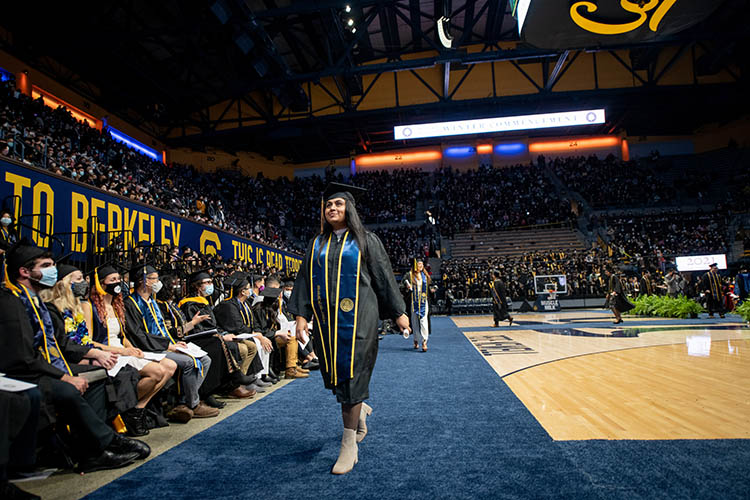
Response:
column 648, row 378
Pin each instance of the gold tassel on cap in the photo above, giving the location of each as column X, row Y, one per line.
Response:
column 97, row 284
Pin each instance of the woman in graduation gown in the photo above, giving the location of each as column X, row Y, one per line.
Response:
column 617, row 299
column 345, row 285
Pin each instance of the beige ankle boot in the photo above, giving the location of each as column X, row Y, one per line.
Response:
column 365, row 412
column 348, row 454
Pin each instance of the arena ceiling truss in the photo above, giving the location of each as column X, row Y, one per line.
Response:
column 298, row 79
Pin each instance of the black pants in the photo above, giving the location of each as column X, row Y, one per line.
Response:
column 83, row 414
column 19, row 419
column 714, row 305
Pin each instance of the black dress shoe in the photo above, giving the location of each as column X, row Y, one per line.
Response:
column 213, row 403
column 123, row 445
column 135, row 421
column 311, row 365
column 9, row 491
column 107, row 460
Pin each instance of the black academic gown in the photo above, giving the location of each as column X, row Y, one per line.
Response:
column 619, row 301
column 711, row 281
column 224, row 355
column 379, row 298
column 122, row 389
column 20, row 360
column 230, row 319
column 499, row 301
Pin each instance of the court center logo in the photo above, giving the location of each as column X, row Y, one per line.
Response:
column 210, row 244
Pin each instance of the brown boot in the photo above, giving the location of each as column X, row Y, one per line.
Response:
column 204, row 411
column 294, row 373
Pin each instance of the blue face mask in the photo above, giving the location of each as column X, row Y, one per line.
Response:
column 49, row 276
column 209, row 289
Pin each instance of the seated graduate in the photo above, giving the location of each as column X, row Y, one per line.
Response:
column 147, row 331
column 234, row 315
column 224, row 352
column 308, row 359
column 106, row 316
column 74, row 339
column 266, row 312
column 30, row 352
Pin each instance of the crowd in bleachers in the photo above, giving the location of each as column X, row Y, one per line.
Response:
column 469, row 277
column 610, row 182
column 668, row 233
column 492, row 199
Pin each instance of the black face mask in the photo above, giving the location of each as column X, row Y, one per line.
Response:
column 80, row 289
column 113, row 288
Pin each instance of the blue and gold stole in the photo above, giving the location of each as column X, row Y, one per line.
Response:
column 495, row 295
column 337, row 328
column 419, row 296
column 714, row 284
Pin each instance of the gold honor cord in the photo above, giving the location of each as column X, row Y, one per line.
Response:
column 44, row 332
column 312, row 302
column 328, row 305
column 356, row 309
column 627, row 5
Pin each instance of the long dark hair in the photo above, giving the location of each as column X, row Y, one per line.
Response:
column 353, row 223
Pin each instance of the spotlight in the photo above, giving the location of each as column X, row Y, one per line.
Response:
column 350, row 22
column 348, row 8
column 354, row 30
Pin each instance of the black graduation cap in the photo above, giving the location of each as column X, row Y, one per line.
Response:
column 65, row 269
column 714, row 265
column 236, row 281
column 141, row 269
column 346, row 191
column 22, row 252
column 199, row 275
column 288, row 281
column 270, row 295
column 254, row 278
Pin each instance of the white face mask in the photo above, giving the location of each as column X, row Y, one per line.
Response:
column 287, row 294
column 5, row 221
column 156, row 287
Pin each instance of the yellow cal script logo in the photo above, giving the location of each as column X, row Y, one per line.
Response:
column 635, row 7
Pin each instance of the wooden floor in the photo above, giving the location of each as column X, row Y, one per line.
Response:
column 667, row 380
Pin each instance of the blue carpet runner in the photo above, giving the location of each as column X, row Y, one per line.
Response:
column 444, row 426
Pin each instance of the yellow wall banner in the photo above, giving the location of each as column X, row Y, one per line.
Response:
column 86, row 219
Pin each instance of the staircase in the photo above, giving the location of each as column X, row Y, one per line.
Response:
column 515, row 243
